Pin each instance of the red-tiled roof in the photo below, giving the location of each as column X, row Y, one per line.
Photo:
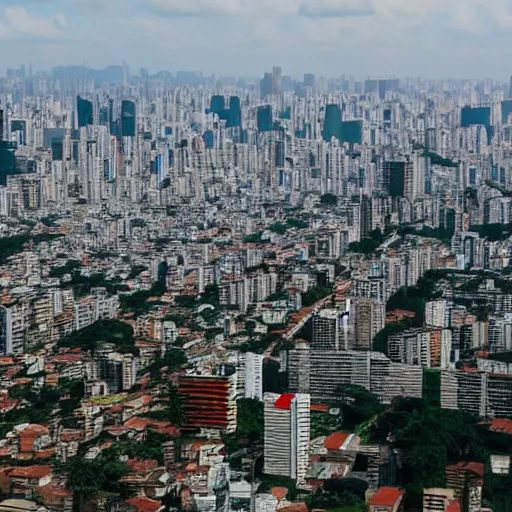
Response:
column 501, row 425
column 47, row 453
column 31, row 471
column 319, row 408
column 454, row 506
column 67, row 358
column 387, row 497
column 142, row 466
column 294, row 507
column 143, row 504
column 71, row 435
column 284, row 401
column 279, row 492
column 56, row 491
column 36, row 430
column 475, row 467
column 335, row 441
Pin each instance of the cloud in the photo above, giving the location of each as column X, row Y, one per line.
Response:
column 243, row 8
column 196, row 7
column 336, row 8
column 403, row 37
column 18, row 23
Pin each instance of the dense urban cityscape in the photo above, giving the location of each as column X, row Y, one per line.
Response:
column 254, row 295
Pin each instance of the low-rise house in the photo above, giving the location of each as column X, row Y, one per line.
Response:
column 29, row 442
column 68, row 444
column 467, row 480
column 387, row 499
column 56, row 499
column 21, row 506
column 332, row 456
column 143, row 504
column 26, row 481
column 439, row 500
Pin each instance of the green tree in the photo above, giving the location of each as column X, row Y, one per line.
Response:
column 102, row 331
column 358, row 405
column 211, row 295
column 85, row 478
column 369, row 244
column 274, row 381
column 175, row 406
column 278, row 228
column 173, row 360
column 186, row 301
column 323, row 499
column 315, row 294
column 328, row 200
column 429, row 438
column 250, row 418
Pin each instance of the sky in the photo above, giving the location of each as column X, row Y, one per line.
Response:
column 430, row 38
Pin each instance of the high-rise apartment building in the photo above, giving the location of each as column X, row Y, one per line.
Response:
column 287, row 433
column 480, row 393
column 254, row 376
column 437, row 313
column 322, row 373
column 370, row 318
column 13, row 324
column 326, row 331
column 209, row 401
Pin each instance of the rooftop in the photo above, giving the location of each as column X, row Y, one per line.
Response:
column 336, row 441
column 387, row 497
column 284, row 401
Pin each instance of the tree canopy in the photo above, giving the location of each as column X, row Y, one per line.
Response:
column 103, row 331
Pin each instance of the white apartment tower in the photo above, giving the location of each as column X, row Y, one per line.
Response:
column 287, row 432
column 254, row 376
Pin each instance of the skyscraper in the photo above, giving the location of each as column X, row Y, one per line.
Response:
column 309, row 80
column 394, row 178
column 351, row 132
column 235, row 112
column 266, row 86
column 277, row 80
column 7, row 156
column 265, row 119
column 217, row 104
column 332, row 122
column 287, row 433
column 326, row 330
column 128, row 119
column 271, row 83
column 84, row 112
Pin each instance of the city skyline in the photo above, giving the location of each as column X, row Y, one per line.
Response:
column 391, row 37
column 276, row 277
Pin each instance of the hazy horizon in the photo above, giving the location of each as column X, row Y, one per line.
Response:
column 436, row 39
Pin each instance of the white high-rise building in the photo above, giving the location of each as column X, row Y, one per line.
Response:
column 254, row 376
column 287, row 433
column 437, row 313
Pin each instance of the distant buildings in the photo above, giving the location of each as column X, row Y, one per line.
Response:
column 323, row 373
